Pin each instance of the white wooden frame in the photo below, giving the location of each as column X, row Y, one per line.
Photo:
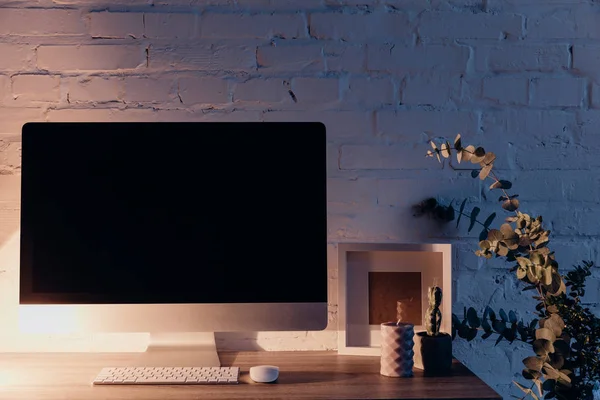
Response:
column 356, row 260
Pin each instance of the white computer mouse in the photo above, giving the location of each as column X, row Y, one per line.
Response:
column 264, row 373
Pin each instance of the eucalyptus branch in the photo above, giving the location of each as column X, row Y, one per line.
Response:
column 569, row 367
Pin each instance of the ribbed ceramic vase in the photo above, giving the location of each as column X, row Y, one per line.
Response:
column 397, row 349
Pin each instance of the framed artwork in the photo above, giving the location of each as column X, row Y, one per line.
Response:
column 373, row 278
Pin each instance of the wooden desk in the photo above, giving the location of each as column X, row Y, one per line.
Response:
column 303, row 375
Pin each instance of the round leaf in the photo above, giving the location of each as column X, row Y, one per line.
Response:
column 494, row 235
column 533, row 362
column 485, row 171
column 501, row 184
column 545, row 333
column 473, row 318
column 542, row 347
column 467, row 152
column 510, row 205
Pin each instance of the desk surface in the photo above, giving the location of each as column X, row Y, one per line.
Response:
column 303, row 375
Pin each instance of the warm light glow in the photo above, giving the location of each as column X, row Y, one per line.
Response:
column 47, row 319
column 8, row 377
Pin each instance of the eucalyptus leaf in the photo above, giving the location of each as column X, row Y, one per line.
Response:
column 445, row 150
column 491, row 313
column 460, row 211
column 499, row 326
column 471, row 334
column 510, row 205
column 486, row 325
column 488, row 221
column 542, row 347
column 500, row 337
column 485, row 171
column 533, row 362
column 467, row 153
column 545, row 333
column 473, row 319
column 474, row 214
column 486, row 335
column 458, row 143
column 501, row 184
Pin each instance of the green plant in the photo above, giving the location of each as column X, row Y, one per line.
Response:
column 434, row 316
column 565, row 339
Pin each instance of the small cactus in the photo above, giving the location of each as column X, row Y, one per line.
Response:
column 433, row 319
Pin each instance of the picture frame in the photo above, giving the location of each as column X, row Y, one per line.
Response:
column 357, row 335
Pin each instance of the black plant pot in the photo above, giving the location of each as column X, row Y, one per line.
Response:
column 436, row 354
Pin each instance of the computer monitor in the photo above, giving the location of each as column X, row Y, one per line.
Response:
column 177, row 229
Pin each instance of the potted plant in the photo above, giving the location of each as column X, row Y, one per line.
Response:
column 434, row 348
column 565, row 339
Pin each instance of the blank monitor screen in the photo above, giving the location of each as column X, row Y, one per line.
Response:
column 142, row 213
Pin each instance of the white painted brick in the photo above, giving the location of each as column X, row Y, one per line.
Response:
column 100, row 115
column 435, row 89
column 40, row 22
column 339, row 125
column 552, row 189
column 315, row 90
column 586, row 59
column 578, row 22
column 150, row 90
column 557, row 156
column 516, row 4
column 506, row 89
column 116, row 24
column 16, row 57
column 587, row 134
column 344, row 57
column 95, row 57
column 290, row 58
column 557, row 92
column 227, row 116
column 170, row 25
column 203, row 57
column 348, row 194
column 380, row 157
column 529, row 126
column 203, row 90
column 595, row 95
column 420, row 58
column 360, row 27
column 404, row 193
column 469, row 26
column 28, row 88
column 4, row 88
column 517, row 58
column 95, row 89
column 378, row 224
column 147, row 115
column 408, row 126
column 11, row 156
column 262, row 90
column 12, row 119
column 571, row 221
column 369, row 92
column 288, row 26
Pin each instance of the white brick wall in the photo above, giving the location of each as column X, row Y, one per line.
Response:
column 520, row 77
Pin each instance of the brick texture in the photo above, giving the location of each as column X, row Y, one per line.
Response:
column 519, row 77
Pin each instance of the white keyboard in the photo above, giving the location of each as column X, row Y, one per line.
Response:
column 167, row 376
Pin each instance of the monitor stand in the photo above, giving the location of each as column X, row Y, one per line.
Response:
column 180, row 349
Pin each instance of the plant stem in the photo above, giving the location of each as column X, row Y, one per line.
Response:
column 516, row 338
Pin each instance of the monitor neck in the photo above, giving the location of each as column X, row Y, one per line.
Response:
column 180, row 349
